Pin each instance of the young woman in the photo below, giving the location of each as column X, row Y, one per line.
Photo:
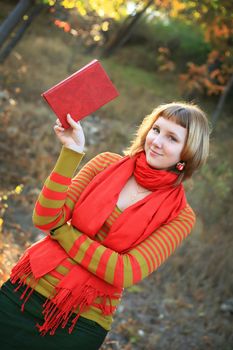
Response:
column 108, row 227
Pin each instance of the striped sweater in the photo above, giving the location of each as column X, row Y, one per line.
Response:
column 54, row 207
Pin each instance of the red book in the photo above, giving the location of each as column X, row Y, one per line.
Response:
column 81, row 94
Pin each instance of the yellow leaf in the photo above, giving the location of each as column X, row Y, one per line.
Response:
column 18, row 189
column 97, row 38
column 105, row 26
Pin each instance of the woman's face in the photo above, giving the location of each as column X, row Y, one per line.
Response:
column 164, row 143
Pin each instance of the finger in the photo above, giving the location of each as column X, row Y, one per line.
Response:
column 58, row 128
column 72, row 122
column 58, row 122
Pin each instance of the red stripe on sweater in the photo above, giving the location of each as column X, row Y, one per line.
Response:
column 188, row 225
column 172, row 236
column 62, row 180
column 56, row 274
column 54, row 195
column 44, row 211
column 49, row 226
column 67, row 211
column 178, row 228
column 171, row 240
column 101, row 268
column 136, row 269
column 150, row 260
column 73, row 195
column 67, row 264
column 89, row 253
column 141, row 251
column 74, row 249
column 151, row 247
column 164, row 245
column 119, row 273
column 70, row 198
column 159, row 250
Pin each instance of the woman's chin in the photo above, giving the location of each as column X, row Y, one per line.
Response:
column 154, row 164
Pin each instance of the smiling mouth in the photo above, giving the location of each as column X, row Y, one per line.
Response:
column 156, row 153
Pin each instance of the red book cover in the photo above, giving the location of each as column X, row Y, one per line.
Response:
column 81, row 93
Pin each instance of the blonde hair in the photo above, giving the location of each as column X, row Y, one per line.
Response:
column 189, row 116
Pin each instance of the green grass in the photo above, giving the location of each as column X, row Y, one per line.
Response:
column 134, row 78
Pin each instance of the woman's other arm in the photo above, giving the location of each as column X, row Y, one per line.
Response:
column 124, row 270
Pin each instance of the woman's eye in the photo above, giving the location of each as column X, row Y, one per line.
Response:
column 172, row 138
column 155, row 129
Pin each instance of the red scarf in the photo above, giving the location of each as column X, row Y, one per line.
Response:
column 79, row 288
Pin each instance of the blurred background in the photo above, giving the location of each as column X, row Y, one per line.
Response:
column 155, row 52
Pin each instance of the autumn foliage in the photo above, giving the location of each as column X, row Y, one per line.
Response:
column 210, row 78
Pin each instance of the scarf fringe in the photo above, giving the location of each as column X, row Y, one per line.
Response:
column 59, row 310
column 19, row 274
column 21, row 271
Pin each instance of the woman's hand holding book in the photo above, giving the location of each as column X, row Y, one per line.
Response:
column 73, row 137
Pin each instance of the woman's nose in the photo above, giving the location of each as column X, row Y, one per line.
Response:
column 158, row 141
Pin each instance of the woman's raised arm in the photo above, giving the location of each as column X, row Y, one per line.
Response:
column 61, row 191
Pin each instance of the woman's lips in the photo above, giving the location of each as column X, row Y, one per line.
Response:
column 155, row 153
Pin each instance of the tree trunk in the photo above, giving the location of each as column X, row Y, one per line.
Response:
column 13, row 19
column 4, row 53
column 125, row 32
column 222, row 100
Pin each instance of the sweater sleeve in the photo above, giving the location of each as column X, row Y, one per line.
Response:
column 124, row 270
column 61, row 191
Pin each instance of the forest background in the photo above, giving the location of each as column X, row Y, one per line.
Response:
column 155, row 52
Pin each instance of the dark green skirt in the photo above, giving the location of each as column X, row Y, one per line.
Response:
column 18, row 329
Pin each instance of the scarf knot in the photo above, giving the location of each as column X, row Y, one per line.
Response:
column 151, row 178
